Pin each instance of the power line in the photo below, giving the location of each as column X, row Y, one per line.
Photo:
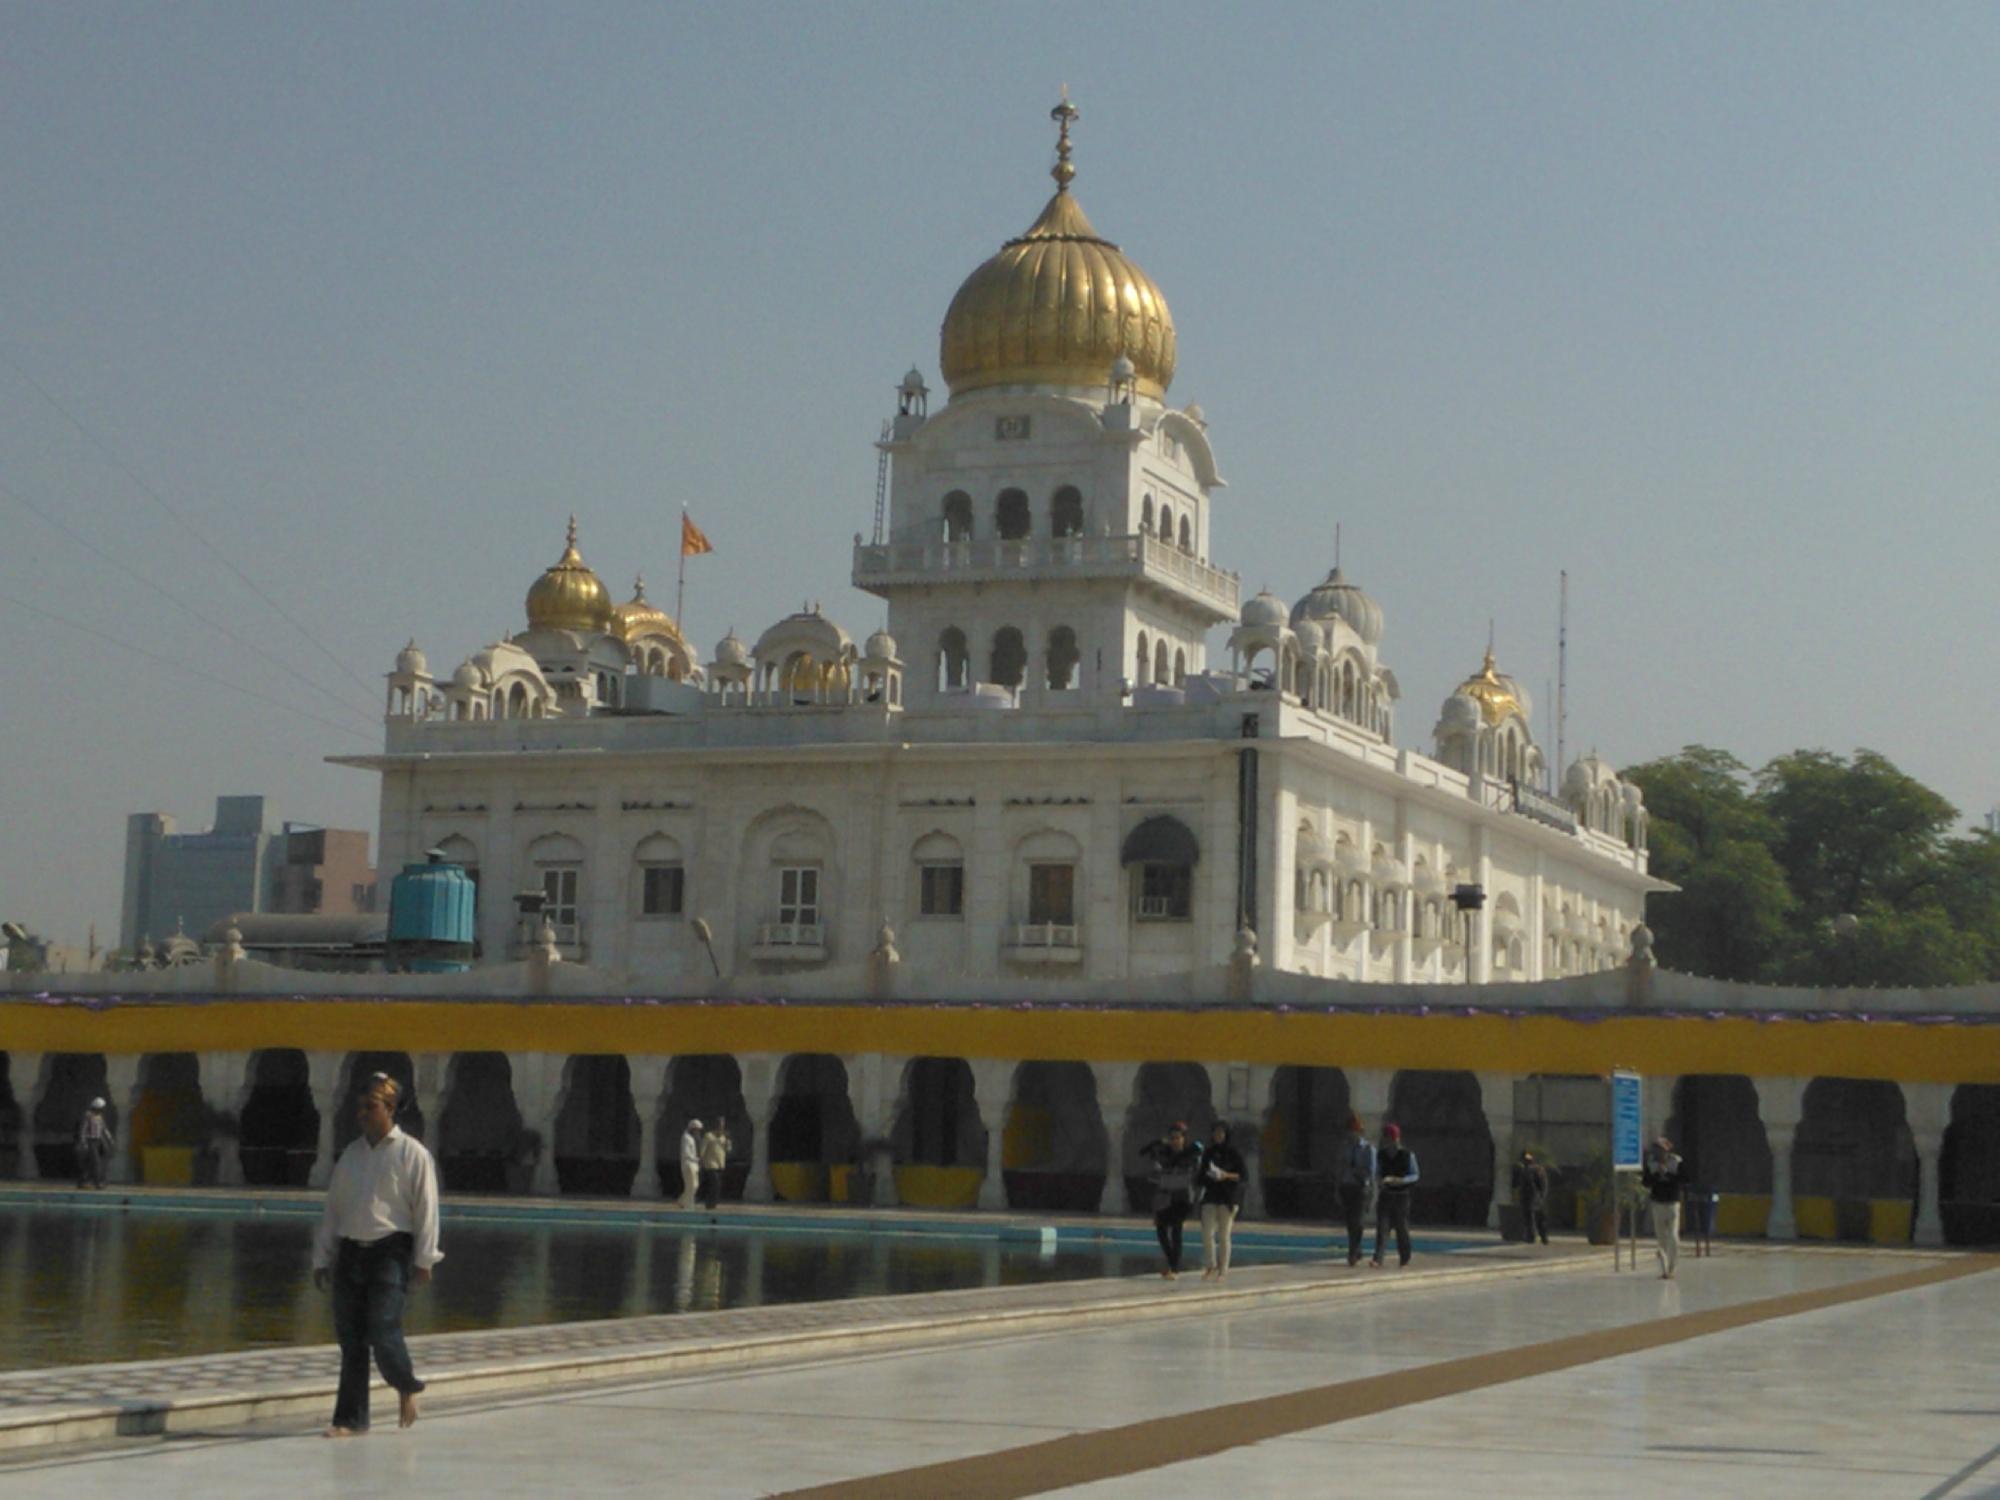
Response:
column 222, row 682
column 154, row 584
column 193, row 530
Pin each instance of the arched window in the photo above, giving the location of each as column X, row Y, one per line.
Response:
column 1161, row 670
column 1146, row 515
column 1062, row 659
column 659, row 877
column 953, row 658
column 1143, row 670
column 1180, row 667
column 940, row 881
column 1187, row 535
column 517, row 702
column 1066, row 512
column 1009, row 659
column 1166, row 523
column 958, row 517
column 1010, row 515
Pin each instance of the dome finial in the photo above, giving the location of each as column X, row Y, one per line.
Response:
column 572, row 529
column 1063, row 171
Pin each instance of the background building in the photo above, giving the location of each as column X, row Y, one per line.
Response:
column 185, row 882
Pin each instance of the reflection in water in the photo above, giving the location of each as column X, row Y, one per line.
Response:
column 80, row 1288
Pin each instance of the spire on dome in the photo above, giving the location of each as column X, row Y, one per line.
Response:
column 1063, row 114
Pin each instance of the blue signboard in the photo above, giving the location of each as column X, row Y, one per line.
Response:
column 1628, row 1122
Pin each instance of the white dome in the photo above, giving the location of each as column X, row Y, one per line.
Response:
column 467, row 676
column 731, row 652
column 1337, row 599
column 1586, row 774
column 411, row 663
column 913, row 383
column 881, row 646
column 1311, row 638
column 1265, row 609
column 1459, row 713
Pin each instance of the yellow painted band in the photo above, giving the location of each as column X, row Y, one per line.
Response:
column 1517, row 1044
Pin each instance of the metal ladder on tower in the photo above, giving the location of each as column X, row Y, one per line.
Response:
column 882, row 480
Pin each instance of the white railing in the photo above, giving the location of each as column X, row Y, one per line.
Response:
column 1043, row 935
column 791, row 935
column 991, row 556
column 1155, row 908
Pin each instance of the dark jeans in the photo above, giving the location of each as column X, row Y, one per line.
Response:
column 90, row 1159
column 369, row 1284
column 1534, row 1223
column 1392, row 1211
column 711, row 1186
column 1353, row 1199
column 1167, row 1221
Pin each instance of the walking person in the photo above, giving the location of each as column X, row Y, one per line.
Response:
column 377, row 1238
column 1665, row 1175
column 690, row 1163
column 1175, row 1160
column 715, row 1144
column 1222, row 1169
column 1395, row 1175
column 1354, row 1181
column 94, row 1145
column 1531, row 1191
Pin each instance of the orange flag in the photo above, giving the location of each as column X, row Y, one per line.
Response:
column 693, row 543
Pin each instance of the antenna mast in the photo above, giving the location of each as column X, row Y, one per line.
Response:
column 1562, row 675
column 882, row 479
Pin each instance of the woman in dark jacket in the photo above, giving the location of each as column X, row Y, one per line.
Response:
column 1222, row 1172
column 1175, row 1160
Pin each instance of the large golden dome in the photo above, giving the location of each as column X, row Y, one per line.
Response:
column 1057, row 306
column 569, row 596
column 639, row 615
column 1497, row 696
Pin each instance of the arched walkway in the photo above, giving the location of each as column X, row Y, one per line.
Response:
column 74, row 1079
column 14, row 1135
column 1717, row 1130
column 1969, row 1167
column 479, row 1130
column 813, row 1130
column 597, row 1128
column 169, row 1134
column 278, row 1135
column 1161, row 1094
column 706, row 1087
column 939, row 1145
column 1854, row 1166
column 1055, row 1149
column 1304, row 1135
column 1444, row 1122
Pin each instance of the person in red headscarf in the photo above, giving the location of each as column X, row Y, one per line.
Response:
column 1395, row 1175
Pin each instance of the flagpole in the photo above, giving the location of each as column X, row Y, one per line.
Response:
column 681, row 583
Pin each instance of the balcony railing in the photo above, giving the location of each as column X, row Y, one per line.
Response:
column 791, row 935
column 991, row 558
column 1044, row 943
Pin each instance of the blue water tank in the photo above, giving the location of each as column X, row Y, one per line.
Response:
column 433, row 919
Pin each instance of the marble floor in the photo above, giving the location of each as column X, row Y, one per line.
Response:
column 1889, row 1395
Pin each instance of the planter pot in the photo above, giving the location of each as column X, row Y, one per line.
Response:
column 1603, row 1226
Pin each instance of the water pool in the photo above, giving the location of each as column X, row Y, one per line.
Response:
column 84, row 1285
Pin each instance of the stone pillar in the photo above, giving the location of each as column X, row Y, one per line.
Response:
column 873, row 1083
column 327, row 1073
column 429, row 1077
column 1496, row 1094
column 649, row 1086
column 759, row 1081
column 992, row 1084
column 1116, row 1085
column 1781, row 1103
column 225, row 1089
column 1368, row 1096
column 537, row 1083
column 121, row 1087
column 1928, row 1106
column 24, row 1077
column 1251, row 1139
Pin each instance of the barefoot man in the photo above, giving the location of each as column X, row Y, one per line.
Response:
column 377, row 1238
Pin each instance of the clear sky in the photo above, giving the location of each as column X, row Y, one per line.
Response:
column 317, row 321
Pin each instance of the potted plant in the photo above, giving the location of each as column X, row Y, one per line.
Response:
column 1596, row 1201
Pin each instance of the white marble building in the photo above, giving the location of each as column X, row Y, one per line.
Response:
column 1036, row 770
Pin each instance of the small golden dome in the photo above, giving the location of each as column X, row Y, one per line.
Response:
column 1494, row 694
column 569, row 596
column 1057, row 306
column 639, row 614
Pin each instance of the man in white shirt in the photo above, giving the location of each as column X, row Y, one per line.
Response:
column 378, row 1236
column 690, row 1162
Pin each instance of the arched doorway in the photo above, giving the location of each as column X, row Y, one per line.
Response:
column 1444, row 1121
column 480, row 1145
column 597, row 1128
column 1161, row 1094
column 939, row 1144
column 278, row 1135
column 814, row 1134
column 1854, row 1164
column 1055, row 1149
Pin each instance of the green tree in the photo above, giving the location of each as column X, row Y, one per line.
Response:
column 1854, row 833
column 1712, row 838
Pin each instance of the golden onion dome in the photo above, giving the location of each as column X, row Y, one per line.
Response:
column 639, row 614
column 569, row 596
column 1058, row 305
column 1495, row 695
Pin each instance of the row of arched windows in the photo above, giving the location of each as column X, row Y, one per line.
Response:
column 1013, row 519
column 1007, row 659
column 1165, row 528
column 1152, row 663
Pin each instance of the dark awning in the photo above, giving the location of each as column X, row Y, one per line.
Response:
column 1160, row 841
